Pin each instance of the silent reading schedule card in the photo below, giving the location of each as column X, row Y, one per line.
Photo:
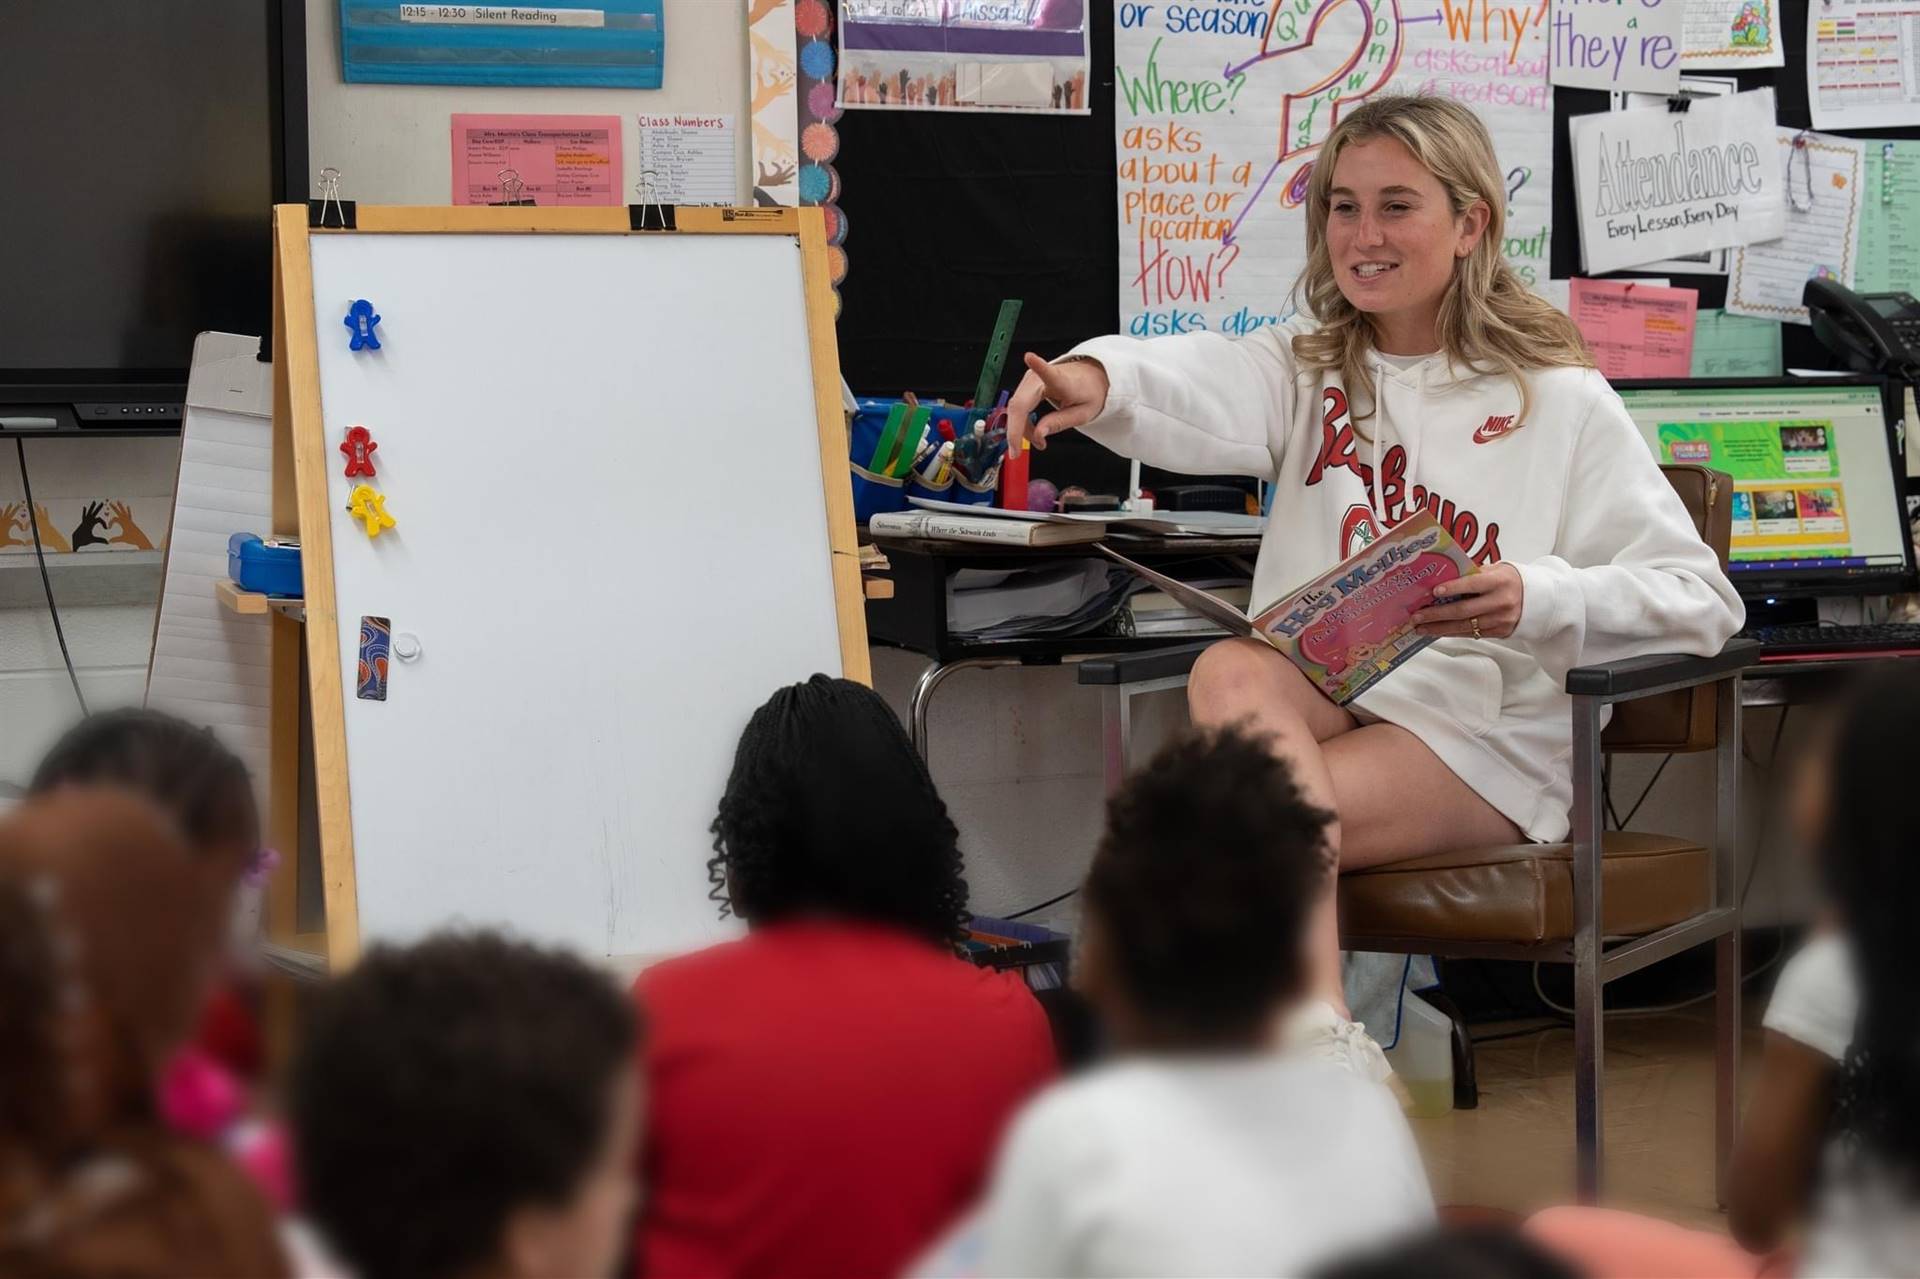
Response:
column 1348, row 628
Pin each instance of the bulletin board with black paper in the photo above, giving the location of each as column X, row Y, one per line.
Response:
column 1026, row 207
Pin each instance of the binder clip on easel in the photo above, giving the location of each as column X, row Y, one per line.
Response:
column 650, row 214
column 1679, row 104
column 512, row 189
column 330, row 212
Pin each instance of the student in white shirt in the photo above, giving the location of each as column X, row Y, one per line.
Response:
column 1200, row 1150
column 1432, row 379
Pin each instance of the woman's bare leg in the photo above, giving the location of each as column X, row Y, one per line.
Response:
column 1392, row 797
column 1246, row 684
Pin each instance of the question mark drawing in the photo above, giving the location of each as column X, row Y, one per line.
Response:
column 1516, row 178
column 1309, row 114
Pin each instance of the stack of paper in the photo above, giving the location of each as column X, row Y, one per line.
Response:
column 1044, row 602
column 1152, row 612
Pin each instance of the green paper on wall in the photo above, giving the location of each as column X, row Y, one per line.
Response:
column 1734, row 345
column 1889, row 258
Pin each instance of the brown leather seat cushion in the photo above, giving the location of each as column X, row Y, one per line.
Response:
column 1524, row 892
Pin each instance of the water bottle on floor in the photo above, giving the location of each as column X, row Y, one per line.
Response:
column 1423, row 1057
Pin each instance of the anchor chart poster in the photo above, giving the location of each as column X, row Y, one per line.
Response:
column 1220, row 107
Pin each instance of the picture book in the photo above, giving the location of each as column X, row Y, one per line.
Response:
column 1348, row 628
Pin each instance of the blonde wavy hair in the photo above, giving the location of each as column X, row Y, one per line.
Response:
column 1490, row 321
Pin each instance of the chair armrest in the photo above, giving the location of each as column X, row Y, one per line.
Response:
column 1639, row 676
column 1138, row 668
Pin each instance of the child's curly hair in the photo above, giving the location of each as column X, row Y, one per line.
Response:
column 185, row 769
column 829, row 810
column 1211, row 865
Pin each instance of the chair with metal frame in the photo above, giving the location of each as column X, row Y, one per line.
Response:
column 1609, row 903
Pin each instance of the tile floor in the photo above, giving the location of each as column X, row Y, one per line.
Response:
column 1516, row 1150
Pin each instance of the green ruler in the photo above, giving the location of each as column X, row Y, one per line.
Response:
column 996, row 361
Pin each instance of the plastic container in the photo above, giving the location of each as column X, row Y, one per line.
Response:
column 272, row 568
column 1423, row 1057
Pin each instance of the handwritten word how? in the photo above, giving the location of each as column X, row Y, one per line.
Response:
column 1173, row 276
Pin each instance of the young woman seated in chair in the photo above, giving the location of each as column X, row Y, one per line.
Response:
column 1433, row 379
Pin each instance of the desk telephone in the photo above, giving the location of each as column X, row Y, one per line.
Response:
column 1872, row 332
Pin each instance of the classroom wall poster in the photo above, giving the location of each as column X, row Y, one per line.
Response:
column 1707, row 261
column 1822, row 236
column 964, row 55
column 1652, row 185
column 1863, row 63
column 773, row 120
column 1635, row 329
column 1719, row 34
column 601, row 44
column 1889, row 258
column 1220, row 107
column 1604, row 44
column 557, row 159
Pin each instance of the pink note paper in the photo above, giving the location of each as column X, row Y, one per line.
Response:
column 560, row 159
column 1636, row 330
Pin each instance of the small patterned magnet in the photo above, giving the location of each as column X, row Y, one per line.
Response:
column 358, row 448
column 360, row 321
column 376, row 642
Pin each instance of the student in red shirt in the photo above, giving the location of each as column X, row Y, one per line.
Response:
column 827, row 1093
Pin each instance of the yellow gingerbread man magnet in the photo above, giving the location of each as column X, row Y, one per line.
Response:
column 370, row 506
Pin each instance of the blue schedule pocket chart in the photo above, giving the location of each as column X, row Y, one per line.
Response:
column 608, row 44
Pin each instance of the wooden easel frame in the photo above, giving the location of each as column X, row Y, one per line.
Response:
column 300, row 506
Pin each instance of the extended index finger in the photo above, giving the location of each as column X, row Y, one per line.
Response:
column 1025, row 401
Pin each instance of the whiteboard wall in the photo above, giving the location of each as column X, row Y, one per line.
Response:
column 602, row 455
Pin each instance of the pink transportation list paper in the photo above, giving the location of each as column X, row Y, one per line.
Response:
column 557, row 159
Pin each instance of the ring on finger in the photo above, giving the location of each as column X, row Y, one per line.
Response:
column 1476, row 628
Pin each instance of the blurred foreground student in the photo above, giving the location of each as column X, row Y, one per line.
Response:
column 468, row 1107
column 111, row 931
column 1825, row 1179
column 206, row 789
column 1202, row 1150
column 826, row 1094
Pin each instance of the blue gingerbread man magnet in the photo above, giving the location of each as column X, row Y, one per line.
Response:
column 360, row 321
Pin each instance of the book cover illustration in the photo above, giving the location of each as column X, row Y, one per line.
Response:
column 1352, row 625
column 1349, row 627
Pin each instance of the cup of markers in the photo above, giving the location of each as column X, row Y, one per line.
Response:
column 965, row 466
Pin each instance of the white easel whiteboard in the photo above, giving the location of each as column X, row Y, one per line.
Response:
column 605, row 459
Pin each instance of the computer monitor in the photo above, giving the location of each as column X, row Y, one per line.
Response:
column 1817, row 501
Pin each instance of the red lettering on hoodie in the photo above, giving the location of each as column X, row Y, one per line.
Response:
column 1394, row 499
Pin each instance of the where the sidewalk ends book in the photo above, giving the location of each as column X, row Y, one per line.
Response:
column 1349, row 627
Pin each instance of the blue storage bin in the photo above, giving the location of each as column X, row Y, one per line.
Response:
column 270, row 569
column 873, row 494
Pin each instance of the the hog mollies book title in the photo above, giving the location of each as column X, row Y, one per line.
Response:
column 1348, row 628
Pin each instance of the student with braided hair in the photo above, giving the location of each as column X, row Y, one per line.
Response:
column 826, row 1093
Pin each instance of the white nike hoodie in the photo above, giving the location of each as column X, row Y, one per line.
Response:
column 1608, row 556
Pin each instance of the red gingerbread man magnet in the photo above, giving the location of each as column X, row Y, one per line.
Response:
column 358, row 447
